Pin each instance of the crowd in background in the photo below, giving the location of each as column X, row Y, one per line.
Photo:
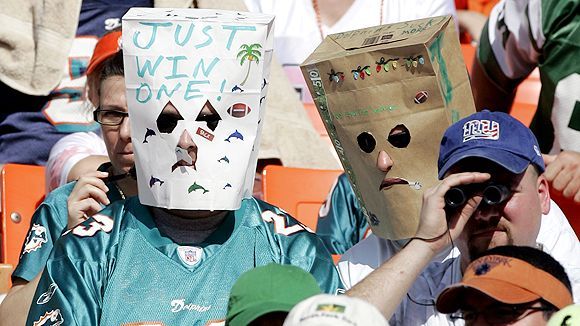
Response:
column 254, row 264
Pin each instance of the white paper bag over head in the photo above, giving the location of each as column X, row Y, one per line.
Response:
column 196, row 86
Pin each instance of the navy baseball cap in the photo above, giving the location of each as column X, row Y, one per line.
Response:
column 495, row 136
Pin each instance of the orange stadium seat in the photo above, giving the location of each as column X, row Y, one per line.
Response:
column 22, row 190
column 468, row 52
column 300, row 192
column 526, row 100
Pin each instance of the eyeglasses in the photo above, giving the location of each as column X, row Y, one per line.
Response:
column 109, row 117
column 502, row 313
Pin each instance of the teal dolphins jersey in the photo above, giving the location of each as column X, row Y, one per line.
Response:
column 521, row 35
column 341, row 222
column 116, row 268
column 48, row 222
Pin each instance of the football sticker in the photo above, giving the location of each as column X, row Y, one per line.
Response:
column 239, row 110
column 421, row 97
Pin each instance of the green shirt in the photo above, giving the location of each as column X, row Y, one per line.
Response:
column 341, row 221
column 117, row 268
column 522, row 35
column 48, row 222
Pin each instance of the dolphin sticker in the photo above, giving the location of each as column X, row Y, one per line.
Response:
column 264, row 83
column 195, row 187
column 148, row 133
column 262, row 99
column 235, row 134
column 154, row 180
column 237, row 88
column 224, row 159
column 227, row 186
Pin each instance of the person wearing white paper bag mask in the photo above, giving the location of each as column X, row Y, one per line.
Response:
column 196, row 112
column 205, row 158
column 138, row 248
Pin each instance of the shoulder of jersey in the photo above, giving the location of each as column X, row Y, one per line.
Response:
column 95, row 236
column 279, row 220
column 59, row 194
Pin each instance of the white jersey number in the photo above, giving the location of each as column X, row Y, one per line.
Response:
column 100, row 223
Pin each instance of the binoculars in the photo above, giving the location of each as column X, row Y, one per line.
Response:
column 493, row 194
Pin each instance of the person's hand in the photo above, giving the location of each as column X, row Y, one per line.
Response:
column 433, row 219
column 86, row 198
column 563, row 173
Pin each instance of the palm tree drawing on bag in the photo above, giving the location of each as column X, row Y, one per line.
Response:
column 250, row 53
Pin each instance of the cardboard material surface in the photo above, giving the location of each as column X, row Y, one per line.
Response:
column 392, row 88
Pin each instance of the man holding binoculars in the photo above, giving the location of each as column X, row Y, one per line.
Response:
column 492, row 193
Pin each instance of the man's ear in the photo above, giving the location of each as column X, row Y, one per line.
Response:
column 544, row 194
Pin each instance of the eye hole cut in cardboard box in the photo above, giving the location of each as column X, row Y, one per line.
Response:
column 395, row 89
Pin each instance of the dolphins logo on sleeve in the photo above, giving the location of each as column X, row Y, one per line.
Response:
column 36, row 237
column 52, row 318
column 46, row 296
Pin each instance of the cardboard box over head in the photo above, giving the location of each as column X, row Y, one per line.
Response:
column 386, row 94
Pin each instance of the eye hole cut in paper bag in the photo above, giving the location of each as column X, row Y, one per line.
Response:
column 394, row 89
column 196, row 86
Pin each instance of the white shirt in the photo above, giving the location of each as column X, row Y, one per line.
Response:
column 67, row 152
column 556, row 237
column 296, row 33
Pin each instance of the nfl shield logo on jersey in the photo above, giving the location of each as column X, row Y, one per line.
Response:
column 189, row 255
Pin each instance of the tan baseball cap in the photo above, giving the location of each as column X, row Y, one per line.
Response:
column 334, row 310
